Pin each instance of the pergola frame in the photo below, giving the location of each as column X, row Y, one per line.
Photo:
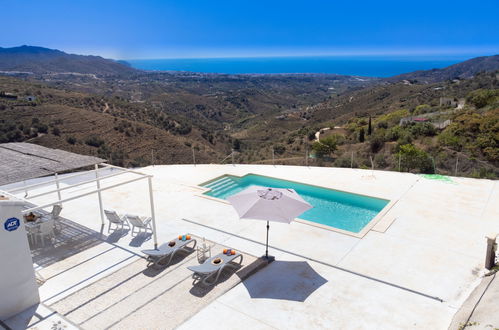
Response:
column 98, row 191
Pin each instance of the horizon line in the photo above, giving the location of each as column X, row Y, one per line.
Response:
column 259, row 53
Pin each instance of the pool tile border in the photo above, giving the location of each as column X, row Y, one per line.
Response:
column 360, row 234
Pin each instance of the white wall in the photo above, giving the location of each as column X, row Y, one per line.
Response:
column 18, row 288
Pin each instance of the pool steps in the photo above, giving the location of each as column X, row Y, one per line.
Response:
column 220, row 186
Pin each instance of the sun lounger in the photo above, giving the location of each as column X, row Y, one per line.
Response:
column 143, row 223
column 119, row 221
column 157, row 257
column 210, row 269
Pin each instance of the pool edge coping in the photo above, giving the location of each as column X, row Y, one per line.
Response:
column 363, row 232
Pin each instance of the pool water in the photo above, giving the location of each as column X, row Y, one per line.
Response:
column 338, row 209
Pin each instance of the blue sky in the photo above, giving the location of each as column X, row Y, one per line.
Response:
column 219, row 28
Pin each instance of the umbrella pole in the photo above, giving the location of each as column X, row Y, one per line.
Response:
column 267, row 257
column 267, row 244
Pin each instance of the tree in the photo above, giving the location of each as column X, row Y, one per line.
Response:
column 422, row 108
column 369, row 127
column 482, row 97
column 236, row 144
column 415, row 158
column 325, row 147
column 361, row 135
column 376, row 142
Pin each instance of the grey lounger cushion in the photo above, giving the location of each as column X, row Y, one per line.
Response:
column 207, row 269
column 164, row 251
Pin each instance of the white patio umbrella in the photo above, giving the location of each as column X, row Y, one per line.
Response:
column 270, row 204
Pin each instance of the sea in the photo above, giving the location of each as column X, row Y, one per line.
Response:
column 368, row 66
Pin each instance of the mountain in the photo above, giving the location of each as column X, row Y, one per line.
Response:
column 170, row 114
column 91, row 125
column 462, row 70
column 39, row 60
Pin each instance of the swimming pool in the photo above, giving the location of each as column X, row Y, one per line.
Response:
column 334, row 208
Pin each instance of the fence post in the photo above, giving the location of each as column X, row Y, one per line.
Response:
column 232, row 155
column 273, row 164
column 490, row 252
column 306, row 155
column 193, row 156
column 152, row 157
column 351, row 160
column 58, row 186
column 457, row 162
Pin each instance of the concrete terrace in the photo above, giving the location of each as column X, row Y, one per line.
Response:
column 413, row 269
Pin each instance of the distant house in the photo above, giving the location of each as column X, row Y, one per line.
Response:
column 407, row 120
column 448, row 102
column 8, row 96
column 419, row 119
column 30, row 98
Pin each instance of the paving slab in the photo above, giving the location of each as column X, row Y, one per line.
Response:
column 432, row 241
column 137, row 296
column 343, row 302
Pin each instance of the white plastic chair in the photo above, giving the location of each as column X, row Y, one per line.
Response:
column 143, row 223
column 31, row 230
column 119, row 221
column 54, row 215
column 45, row 229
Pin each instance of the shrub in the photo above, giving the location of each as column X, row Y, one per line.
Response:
column 448, row 138
column 279, row 149
column 236, row 145
column 324, row 148
column 56, row 131
column 71, row 140
column 393, row 118
column 413, row 158
column 344, row 162
column 482, row 97
column 380, row 161
column 14, row 136
column 423, row 108
column 94, row 141
column 422, row 129
column 42, row 128
column 376, row 143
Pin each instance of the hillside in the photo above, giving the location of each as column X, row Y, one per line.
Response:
column 445, row 128
column 126, row 118
column 66, row 120
column 39, row 60
column 462, row 70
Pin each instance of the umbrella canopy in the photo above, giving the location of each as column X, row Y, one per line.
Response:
column 270, row 204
